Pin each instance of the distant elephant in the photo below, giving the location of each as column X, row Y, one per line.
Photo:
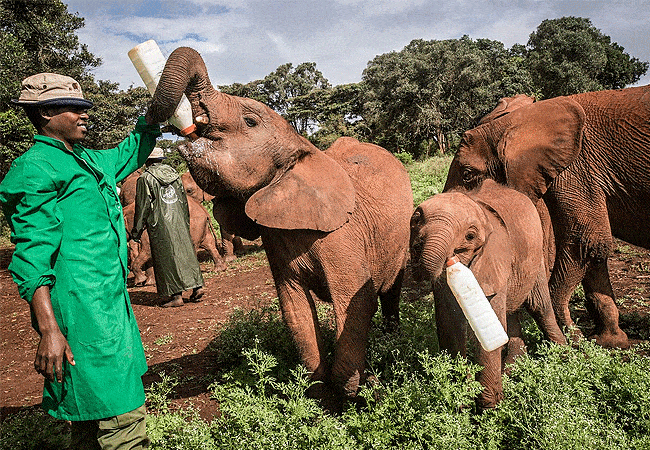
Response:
column 229, row 242
column 127, row 191
column 201, row 231
column 333, row 223
column 497, row 233
column 588, row 157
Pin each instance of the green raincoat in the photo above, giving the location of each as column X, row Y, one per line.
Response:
column 68, row 228
column 161, row 206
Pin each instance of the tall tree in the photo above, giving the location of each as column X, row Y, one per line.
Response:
column 420, row 100
column 114, row 113
column 569, row 55
column 289, row 91
column 339, row 113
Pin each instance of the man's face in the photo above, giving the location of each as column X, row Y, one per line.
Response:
column 66, row 123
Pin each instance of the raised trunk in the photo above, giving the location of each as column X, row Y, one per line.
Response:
column 184, row 73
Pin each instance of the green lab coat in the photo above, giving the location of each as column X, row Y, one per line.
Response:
column 69, row 232
column 161, row 206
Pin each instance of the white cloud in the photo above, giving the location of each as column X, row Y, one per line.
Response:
column 242, row 40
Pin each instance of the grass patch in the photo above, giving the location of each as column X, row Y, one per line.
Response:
column 428, row 177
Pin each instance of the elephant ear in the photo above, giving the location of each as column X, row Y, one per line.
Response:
column 315, row 194
column 540, row 141
column 507, row 105
column 493, row 266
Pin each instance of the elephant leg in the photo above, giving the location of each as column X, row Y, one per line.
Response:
column 451, row 325
column 568, row 272
column 237, row 244
column 228, row 246
column 151, row 277
column 209, row 244
column 599, row 293
column 516, row 346
column 299, row 313
column 490, row 375
column 137, row 264
column 540, row 308
column 353, row 320
column 390, row 303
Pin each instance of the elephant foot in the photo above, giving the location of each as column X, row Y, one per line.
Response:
column 327, row 397
column 220, row 266
column 618, row 339
column 488, row 401
column 238, row 245
column 574, row 335
column 230, row 258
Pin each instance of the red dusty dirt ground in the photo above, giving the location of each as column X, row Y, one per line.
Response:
column 177, row 338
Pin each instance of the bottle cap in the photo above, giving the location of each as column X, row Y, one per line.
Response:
column 188, row 130
column 453, row 260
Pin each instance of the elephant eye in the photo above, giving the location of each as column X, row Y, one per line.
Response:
column 250, row 121
column 468, row 175
column 470, row 236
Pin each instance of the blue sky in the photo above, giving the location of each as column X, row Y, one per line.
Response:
column 244, row 40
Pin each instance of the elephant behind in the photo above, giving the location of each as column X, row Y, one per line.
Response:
column 334, row 224
column 201, row 231
column 230, row 243
column 587, row 157
column 497, row 233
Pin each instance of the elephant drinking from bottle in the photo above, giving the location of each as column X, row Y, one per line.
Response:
column 334, row 224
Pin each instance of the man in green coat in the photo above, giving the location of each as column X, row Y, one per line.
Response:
column 161, row 207
column 70, row 264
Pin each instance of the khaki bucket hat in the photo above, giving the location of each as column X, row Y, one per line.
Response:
column 157, row 153
column 51, row 89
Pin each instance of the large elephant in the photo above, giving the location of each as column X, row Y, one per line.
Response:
column 201, row 231
column 333, row 223
column 588, row 157
column 497, row 233
column 229, row 242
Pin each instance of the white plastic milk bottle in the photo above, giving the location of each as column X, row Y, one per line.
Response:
column 150, row 62
column 475, row 305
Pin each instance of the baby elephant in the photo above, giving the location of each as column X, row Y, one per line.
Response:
column 496, row 232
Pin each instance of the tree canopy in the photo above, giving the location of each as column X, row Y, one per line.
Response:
column 289, row 91
column 40, row 36
column 569, row 55
column 417, row 100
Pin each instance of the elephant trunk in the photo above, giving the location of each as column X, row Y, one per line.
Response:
column 434, row 250
column 184, row 72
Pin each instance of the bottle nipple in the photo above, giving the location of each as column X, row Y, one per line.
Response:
column 453, row 260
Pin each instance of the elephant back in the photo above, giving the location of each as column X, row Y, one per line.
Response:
column 375, row 171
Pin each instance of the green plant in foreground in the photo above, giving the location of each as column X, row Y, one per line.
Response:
column 567, row 398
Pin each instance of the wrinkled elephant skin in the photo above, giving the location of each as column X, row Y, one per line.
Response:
column 586, row 157
column 496, row 231
column 334, row 224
